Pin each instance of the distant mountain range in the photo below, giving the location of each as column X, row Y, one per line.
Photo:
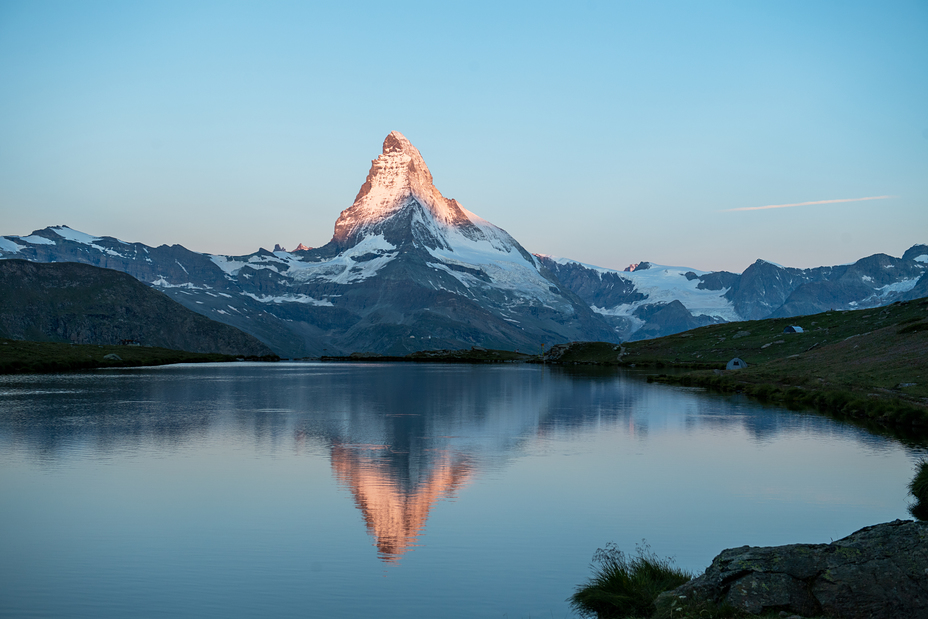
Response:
column 408, row 269
column 653, row 300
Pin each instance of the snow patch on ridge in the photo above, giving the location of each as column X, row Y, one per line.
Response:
column 163, row 283
column 898, row 287
column 504, row 265
column 663, row 284
column 36, row 240
column 288, row 298
column 9, row 246
column 626, row 310
column 228, row 265
column 351, row 266
column 85, row 239
column 73, row 235
column 922, row 258
column 348, row 267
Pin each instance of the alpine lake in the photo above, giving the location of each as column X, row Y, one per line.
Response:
column 398, row 490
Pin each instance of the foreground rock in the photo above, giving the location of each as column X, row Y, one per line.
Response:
column 878, row 572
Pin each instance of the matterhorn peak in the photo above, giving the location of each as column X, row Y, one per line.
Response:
column 398, row 180
column 397, row 142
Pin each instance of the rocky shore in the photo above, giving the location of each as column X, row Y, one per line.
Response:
column 878, row 572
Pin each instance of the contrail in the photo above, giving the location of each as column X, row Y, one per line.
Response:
column 762, row 208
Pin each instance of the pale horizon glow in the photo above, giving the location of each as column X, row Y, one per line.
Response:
column 606, row 132
column 769, row 206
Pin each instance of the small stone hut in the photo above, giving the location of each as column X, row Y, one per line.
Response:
column 736, row 364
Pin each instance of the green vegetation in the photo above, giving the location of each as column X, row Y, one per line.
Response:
column 865, row 365
column 918, row 488
column 626, row 587
column 584, row 353
column 20, row 357
column 886, row 331
column 631, row 588
column 877, row 409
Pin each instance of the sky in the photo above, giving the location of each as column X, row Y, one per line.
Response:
column 604, row 132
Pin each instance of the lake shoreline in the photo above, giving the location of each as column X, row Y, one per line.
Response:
column 27, row 357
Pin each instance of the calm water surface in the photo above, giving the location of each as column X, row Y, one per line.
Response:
column 398, row 490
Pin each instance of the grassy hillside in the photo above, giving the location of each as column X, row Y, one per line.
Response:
column 869, row 364
column 19, row 357
column 887, row 340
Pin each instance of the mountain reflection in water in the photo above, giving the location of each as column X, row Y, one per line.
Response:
column 395, row 507
column 396, row 490
column 399, row 437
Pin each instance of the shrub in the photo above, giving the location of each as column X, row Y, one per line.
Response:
column 918, row 488
column 763, row 392
column 626, row 587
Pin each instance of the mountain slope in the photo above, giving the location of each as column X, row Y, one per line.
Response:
column 82, row 304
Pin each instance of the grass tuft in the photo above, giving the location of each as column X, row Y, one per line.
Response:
column 625, row 587
column 918, row 488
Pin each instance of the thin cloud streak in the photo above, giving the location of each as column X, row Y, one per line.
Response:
column 762, row 208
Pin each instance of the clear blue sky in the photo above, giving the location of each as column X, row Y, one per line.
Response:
column 606, row 132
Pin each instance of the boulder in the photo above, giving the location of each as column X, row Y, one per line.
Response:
column 879, row 572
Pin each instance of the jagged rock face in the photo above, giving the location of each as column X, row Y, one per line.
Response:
column 399, row 197
column 875, row 573
column 594, row 287
column 629, row 300
column 763, row 287
column 866, row 283
column 82, row 304
column 717, row 280
column 919, row 253
column 652, row 300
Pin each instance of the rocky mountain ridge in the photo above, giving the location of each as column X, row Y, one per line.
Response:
column 654, row 300
column 408, row 269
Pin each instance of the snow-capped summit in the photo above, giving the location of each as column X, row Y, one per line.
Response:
column 407, row 269
column 399, row 198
